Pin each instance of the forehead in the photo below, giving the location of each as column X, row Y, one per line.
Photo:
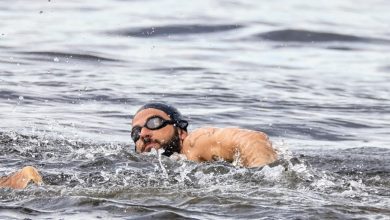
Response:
column 141, row 117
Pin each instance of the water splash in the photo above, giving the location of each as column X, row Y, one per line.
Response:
column 109, row 171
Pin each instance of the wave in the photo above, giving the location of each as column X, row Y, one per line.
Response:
column 84, row 177
column 65, row 57
column 174, row 30
column 14, row 97
column 19, row 210
column 385, row 69
column 295, row 35
column 179, row 69
column 94, row 160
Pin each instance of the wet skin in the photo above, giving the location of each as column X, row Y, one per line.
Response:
column 22, row 178
column 154, row 138
column 249, row 148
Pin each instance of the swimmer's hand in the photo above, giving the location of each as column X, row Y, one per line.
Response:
column 22, row 178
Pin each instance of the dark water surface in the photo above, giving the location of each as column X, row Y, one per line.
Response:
column 314, row 76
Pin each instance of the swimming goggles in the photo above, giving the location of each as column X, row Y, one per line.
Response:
column 152, row 123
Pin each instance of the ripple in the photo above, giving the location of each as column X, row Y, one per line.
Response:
column 89, row 178
column 369, row 164
column 66, row 57
column 293, row 35
column 314, row 132
column 13, row 62
column 385, row 69
column 172, row 30
column 179, row 69
column 20, row 210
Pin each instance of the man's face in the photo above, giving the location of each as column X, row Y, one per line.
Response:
column 167, row 137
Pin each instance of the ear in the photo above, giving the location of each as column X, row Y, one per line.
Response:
column 182, row 134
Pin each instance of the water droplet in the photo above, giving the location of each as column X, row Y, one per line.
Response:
column 56, row 59
column 21, row 97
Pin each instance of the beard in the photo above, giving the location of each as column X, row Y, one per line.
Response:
column 173, row 145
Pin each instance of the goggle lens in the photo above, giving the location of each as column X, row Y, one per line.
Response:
column 154, row 123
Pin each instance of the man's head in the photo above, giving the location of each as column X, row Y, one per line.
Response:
column 158, row 125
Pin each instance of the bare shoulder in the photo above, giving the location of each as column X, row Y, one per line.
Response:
column 201, row 132
column 210, row 135
column 231, row 131
column 196, row 144
column 208, row 143
column 226, row 133
column 200, row 136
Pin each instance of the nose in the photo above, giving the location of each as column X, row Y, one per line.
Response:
column 145, row 132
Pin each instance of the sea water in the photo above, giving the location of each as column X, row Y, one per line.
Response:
column 314, row 76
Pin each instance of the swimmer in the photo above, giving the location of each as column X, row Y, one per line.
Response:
column 161, row 126
column 20, row 179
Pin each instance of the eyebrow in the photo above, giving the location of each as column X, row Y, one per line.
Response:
column 152, row 117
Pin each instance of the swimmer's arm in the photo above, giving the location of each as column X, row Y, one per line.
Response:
column 250, row 148
column 21, row 178
column 254, row 148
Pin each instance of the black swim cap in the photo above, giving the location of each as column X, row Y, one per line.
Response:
column 171, row 111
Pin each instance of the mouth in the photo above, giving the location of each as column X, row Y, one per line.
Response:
column 148, row 146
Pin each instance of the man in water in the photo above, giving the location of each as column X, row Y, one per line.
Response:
column 21, row 179
column 161, row 126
